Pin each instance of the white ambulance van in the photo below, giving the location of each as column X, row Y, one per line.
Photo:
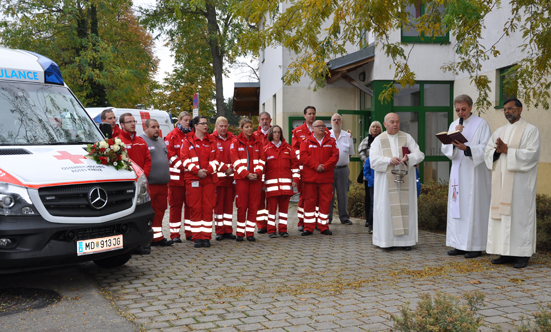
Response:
column 163, row 117
column 56, row 206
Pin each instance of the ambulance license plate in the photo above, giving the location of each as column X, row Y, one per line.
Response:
column 94, row 246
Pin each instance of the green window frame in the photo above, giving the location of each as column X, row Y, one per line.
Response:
column 421, row 38
column 504, row 73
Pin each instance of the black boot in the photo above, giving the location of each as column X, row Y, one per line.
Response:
column 521, row 262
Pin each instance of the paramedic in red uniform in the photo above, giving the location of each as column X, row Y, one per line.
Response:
column 108, row 116
column 198, row 155
column 223, row 178
column 135, row 145
column 176, row 187
column 300, row 133
column 261, row 133
column 319, row 155
column 281, row 176
column 247, row 156
column 158, row 179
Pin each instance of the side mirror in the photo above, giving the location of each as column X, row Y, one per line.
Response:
column 106, row 129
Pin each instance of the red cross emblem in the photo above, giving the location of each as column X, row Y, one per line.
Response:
column 75, row 158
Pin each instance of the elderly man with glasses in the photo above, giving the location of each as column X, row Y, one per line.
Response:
column 345, row 144
column 319, row 155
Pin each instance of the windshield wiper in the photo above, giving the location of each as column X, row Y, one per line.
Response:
column 69, row 143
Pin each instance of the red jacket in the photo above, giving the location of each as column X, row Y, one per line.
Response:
column 300, row 133
column 247, row 157
column 312, row 154
column 174, row 141
column 198, row 154
column 116, row 131
column 281, row 169
column 260, row 136
column 224, row 158
column 137, row 150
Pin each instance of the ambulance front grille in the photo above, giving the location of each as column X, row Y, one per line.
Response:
column 74, row 200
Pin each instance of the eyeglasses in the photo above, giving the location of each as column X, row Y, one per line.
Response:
column 508, row 109
column 320, row 126
column 336, row 120
column 203, row 123
column 133, row 121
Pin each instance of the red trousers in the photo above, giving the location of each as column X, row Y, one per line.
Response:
column 223, row 212
column 317, row 195
column 159, row 194
column 283, row 203
column 262, row 214
column 176, row 200
column 201, row 201
column 247, row 201
column 300, row 208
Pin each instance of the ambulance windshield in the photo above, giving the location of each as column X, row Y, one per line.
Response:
column 36, row 114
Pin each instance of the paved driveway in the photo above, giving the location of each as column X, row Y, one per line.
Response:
column 339, row 282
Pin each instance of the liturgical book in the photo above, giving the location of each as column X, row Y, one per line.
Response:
column 449, row 137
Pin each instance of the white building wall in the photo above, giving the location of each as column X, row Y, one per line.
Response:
column 425, row 60
column 270, row 73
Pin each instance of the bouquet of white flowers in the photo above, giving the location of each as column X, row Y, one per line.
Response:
column 109, row 152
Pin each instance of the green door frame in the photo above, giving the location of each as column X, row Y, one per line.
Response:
column 366, row 119
column 381, row 109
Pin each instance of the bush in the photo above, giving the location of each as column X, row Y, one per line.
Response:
column 445, row 313
column 543, row 217
column 542, row 320
column 433, row 206
column 356, row 200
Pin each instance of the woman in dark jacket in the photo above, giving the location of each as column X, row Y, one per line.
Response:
column 374, row 130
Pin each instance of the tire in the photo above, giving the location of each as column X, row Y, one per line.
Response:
column 114, row 261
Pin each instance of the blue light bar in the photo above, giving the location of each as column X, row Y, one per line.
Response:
column 52, row 74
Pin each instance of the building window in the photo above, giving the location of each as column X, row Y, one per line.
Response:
column 508, row 85
column 410, row 34
column 407, row 96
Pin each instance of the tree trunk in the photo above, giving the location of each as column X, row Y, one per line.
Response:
column 217, row 58
column 98, row 95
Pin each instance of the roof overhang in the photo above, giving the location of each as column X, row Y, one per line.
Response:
column 246, row 98
column 340, row 67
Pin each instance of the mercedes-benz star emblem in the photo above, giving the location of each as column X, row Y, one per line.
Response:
column 97, row 197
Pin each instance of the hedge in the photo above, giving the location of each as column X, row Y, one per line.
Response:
column 433, row 205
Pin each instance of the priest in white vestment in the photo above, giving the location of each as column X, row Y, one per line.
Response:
column 512, row 154
column 395, row 204
column 470, row 183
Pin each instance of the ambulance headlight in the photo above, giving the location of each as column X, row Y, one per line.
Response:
column 15, row 200
column 143, row 190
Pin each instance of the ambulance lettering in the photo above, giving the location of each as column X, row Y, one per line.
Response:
column 19, row 74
